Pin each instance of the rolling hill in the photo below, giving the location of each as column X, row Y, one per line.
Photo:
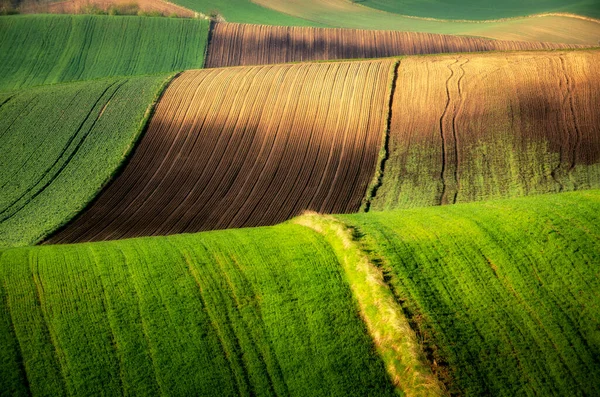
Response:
column 61, row 144
column 48, row 49
column 237, row 147
column 477, row 127
column 483, row 10
column 263, row 311
column 275, row 310
column 504, row 294
column 242, row 44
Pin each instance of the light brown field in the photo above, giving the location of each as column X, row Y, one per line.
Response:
column 80, row 6
column 474, row 127
column 246, row 147
column 240, row 44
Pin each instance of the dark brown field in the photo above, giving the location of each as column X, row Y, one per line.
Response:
column 247, row 147
column 240, row 44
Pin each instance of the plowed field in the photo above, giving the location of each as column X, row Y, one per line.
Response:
column 246, row 147
column 476, row 127
column 240, row 44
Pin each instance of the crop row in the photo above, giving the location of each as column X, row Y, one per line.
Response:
column 240, row 312
column 475, row 127
column 60, row 145
column 47, row 49
column 240, row 44
column 246, row 147
column 504, row 294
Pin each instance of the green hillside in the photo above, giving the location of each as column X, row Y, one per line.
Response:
column 60, row 145
column 46, row 49
column 263, row 311
column 504, row 293
column 244, row 11
column 487, row 9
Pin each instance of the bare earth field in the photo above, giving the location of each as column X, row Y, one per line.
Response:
column 81, row 6
column 246, row 147
column 242, row 44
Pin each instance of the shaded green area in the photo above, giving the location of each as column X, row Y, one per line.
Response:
column 244, row 11
column 46, row 49
column 504, row 293
column 60, row 145
column 479, row 10
column 263, row 311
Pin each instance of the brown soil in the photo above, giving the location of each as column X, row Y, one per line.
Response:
column 247, row 147
column 240, row 44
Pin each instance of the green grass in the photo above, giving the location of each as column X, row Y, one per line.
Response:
column 60, row 145
column 504, row 293
column 479, row 10
column 46, row 49
column 263, row 311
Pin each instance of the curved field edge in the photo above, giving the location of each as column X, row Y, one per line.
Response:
column 262, row 311
column 503, row 294
column 48, row 49
column 80, row 143
column 558, row 28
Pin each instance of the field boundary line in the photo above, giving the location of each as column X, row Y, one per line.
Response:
column 384, row 152
column 394, row 339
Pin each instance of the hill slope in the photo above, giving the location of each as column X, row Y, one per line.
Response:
column 240, row 44
column 486, row 9
column 60, row 145
column 252, row 146
column 349, row 14
column 263, row 311
column 476, row 127
column 489, row 287
column 504, row 294
column 46, row 49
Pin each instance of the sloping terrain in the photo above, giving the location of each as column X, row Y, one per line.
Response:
column 252, row 146
column 504, row 294
column 488, row 287
column 263, row 311
column 241, row 44
column 117, row 7
column 483, row 9
column 47, row 49
column 351, row 14
column 60, row 145
column 476, row 127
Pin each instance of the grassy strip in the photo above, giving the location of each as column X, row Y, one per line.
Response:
column 396, row 342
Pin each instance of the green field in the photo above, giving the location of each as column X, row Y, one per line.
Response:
column 504, row 293
column 244, row 11
column 263, row 311
column 487, row 9
column 46, row 49
column 60, row 145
